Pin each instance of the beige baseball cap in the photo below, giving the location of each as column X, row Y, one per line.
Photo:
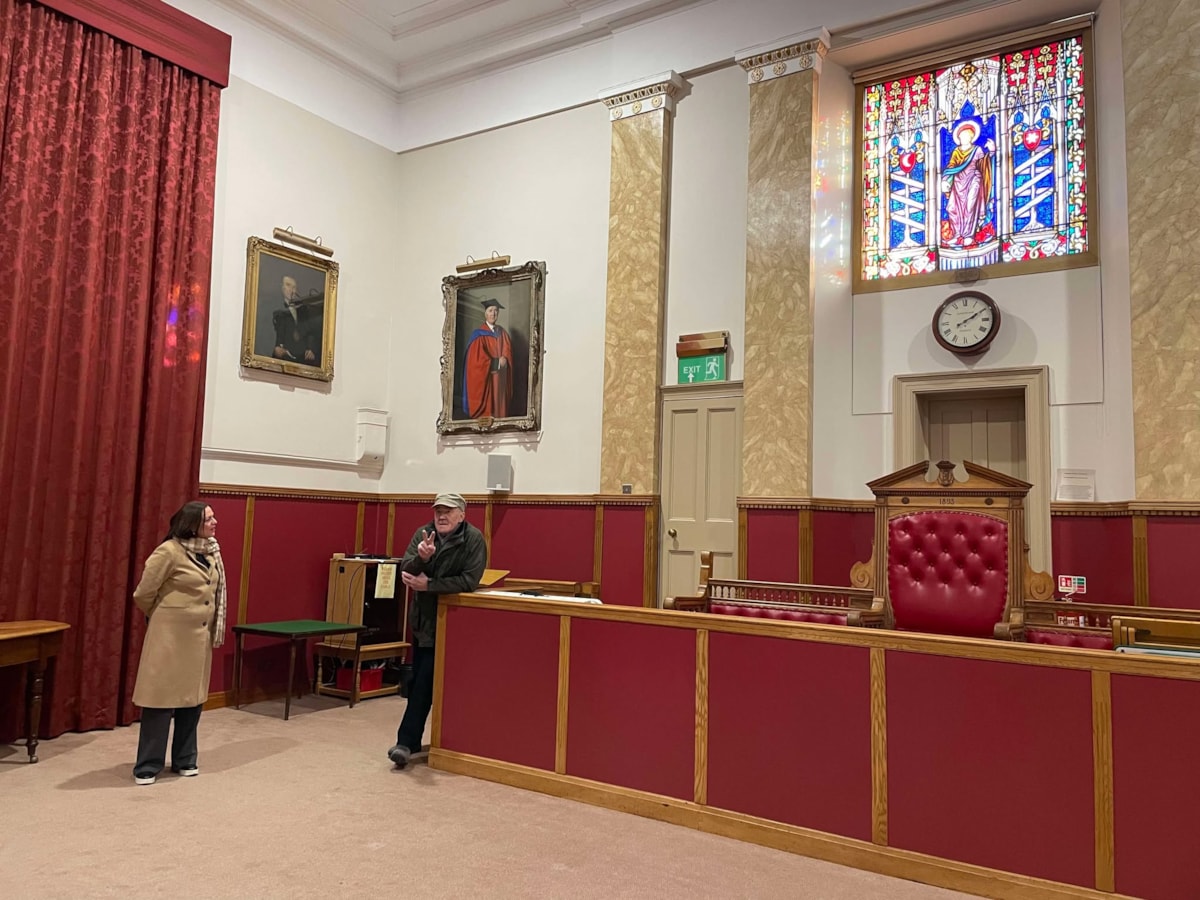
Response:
column 454, row 500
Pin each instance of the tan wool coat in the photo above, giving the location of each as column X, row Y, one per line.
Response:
column 179, row 596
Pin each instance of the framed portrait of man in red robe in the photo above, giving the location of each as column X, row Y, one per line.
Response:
column 492, row 350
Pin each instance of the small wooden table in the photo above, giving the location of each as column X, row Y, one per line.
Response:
column 357, row 654
column 33, row 644
column 294, row 632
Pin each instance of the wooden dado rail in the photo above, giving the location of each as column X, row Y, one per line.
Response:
column 1007, row 770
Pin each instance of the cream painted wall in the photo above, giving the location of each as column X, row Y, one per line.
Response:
column 278, row 165
column 536, row 190
column 539, row 189
column 1075, row 322
column 706, row 256
column 848, row 450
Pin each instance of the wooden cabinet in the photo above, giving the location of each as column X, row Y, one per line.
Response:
column 354, row 596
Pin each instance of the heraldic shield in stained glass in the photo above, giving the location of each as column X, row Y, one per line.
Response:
column 976, row 163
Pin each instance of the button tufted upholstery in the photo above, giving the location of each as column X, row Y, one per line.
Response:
column 775, row 612
column 947, row 572
column 1069, row 639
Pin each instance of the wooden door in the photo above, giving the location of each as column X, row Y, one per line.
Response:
column 987, row 429
column 701, row 478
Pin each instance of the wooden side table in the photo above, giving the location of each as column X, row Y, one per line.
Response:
column 358, row 654
column 33, row 644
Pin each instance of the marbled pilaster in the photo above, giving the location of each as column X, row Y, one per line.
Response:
column 777, row 417
column 639, row 194
column 1162, row 107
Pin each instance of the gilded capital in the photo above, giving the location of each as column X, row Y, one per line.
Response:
column 798, row 53
column 642, row 96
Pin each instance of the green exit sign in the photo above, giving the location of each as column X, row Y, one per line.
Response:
column 693, row 369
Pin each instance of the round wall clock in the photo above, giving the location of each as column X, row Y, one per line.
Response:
column 966, row 322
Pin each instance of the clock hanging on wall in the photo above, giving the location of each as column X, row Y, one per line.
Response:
column 966, row 322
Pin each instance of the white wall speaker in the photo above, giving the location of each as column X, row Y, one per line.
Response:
column 499, row 472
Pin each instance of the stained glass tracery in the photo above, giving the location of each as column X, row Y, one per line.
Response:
column 976, row 163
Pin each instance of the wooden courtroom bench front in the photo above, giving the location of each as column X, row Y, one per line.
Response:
column 1063, row 623
column 813, row 603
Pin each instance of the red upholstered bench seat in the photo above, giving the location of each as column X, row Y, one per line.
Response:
column 1068, row 637
column 782, row 602
column 783, row 613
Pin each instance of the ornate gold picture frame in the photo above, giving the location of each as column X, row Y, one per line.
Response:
column 290, row 311
column 492, row 350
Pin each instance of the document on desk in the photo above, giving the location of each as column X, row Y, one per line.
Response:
column 385, row 581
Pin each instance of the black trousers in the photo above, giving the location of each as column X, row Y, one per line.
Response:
column 152, row 742
column 420, row 700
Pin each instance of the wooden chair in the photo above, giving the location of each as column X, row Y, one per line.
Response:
column 950, row 557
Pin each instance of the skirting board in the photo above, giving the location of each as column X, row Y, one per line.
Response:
column 789, row 838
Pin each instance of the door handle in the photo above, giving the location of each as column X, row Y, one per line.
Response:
column 672, row 532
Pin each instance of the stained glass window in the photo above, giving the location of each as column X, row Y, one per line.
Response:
column 977, row 163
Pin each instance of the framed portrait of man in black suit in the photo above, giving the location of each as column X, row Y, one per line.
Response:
column 492, row 350
column 289, row 314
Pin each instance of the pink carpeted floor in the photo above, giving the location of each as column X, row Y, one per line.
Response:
column 312, row 808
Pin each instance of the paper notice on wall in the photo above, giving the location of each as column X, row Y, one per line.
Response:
column 1078, row 485
column 385, row 581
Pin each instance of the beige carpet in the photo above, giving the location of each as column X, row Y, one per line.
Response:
column 312, row 808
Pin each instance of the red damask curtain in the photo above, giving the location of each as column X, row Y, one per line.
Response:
column 107, row 171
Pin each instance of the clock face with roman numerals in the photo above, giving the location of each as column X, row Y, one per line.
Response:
column 966, row 322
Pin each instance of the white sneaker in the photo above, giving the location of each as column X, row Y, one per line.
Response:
column 188, row 773
column 145, row 779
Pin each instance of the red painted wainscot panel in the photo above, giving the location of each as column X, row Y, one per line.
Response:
column 840, row 539
column 374, row 528
column 554, row 542
column 632, row 706
column 622, row 566
column 231, row 532
column 789, row 732
column 294, row 539
column 410, row 517
column 500, row 688
column 1099, row 548
column 969, row 776
column 1171, row 544
column 773, row 545
column 1156, row 730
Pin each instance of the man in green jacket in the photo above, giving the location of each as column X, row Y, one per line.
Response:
column 445, row 557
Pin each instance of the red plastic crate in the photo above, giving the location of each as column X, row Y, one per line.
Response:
column 369, row 680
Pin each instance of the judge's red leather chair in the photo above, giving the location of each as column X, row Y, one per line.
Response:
column 955, row 561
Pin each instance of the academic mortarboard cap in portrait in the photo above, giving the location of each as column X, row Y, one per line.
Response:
column 495, row 303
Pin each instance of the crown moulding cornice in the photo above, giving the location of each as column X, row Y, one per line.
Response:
column 583, row 23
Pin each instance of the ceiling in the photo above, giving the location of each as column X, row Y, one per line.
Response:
column 406, row 46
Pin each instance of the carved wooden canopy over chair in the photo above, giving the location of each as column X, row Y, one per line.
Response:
column 950, row 557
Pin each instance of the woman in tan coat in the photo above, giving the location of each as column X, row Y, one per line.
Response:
column 182, row 592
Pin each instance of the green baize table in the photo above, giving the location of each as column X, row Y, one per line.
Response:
column 294, row 632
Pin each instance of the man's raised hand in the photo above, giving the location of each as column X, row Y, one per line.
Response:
column 426, row 548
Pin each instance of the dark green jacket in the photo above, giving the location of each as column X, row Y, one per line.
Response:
column 456, row 567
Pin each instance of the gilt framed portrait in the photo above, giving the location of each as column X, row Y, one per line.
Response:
column 290, row 311
column 492, row 350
